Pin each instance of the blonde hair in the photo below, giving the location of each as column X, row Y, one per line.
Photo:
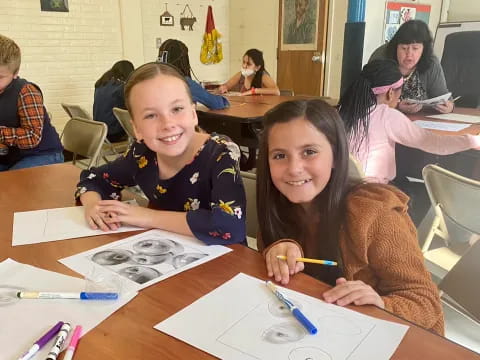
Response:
column 149, row 71
column 9, row 54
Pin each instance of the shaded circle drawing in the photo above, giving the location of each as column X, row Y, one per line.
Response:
column 186, row 258
column 279, row 309
column 8, row 294
column 339, row 325
column 284, row 333
column 139, row 274
column 308, row 353
column 157, row 247
column 112, row 257
column 143, row 259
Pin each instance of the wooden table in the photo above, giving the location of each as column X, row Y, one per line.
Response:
column 129, row 333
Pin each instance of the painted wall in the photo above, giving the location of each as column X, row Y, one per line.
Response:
column 464, row 10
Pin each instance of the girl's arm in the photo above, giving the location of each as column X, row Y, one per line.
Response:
column 230, row 83
column 268, row 87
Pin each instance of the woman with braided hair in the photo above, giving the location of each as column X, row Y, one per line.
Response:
column 373, row 125
column 175, row 53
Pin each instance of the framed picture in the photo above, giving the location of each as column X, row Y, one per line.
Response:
column 166, row 19
column 54, row 5
column 299, row 24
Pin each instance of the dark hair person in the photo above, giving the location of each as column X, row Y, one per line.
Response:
column 109, row 94
column 308, row 207
column 412, row 49
column 252, row 79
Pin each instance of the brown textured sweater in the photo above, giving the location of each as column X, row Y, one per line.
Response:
column 379, row 246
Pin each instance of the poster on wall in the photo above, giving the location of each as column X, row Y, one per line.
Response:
column 54, row 5
column 299, row 24
column 397, row 13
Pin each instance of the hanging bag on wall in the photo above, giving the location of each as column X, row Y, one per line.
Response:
column 211, row 52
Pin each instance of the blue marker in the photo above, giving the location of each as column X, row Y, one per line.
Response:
column 295, row 311
column 67, row 295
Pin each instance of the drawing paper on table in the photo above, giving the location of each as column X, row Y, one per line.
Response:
column 472, row 119
column 146, row 258
column 32, row 227
column 28, row 320
column 435, row 125
column 433, row 101
column 255, row 325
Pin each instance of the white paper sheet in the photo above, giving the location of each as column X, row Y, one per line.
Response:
column 242, row 319
column 435, row 125
column 472, row 119
column 24, row 321
column 433, row 101
column 147, row 258
column 32, row 227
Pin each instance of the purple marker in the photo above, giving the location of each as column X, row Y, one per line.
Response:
column 40, row 343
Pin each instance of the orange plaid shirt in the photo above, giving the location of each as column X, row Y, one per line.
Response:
column 31, row 112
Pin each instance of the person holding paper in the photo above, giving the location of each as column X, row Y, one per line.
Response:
column 412, row 49
column 192, row 179
column 373, row 124
column 308, row 206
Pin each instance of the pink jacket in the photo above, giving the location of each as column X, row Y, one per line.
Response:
column 389, row 126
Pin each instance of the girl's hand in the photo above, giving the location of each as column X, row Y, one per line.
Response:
column 282, row 269
column 352, row 292
column 97, row 219
column 222, row 89
column 445, row 108
column 409, row 108
column 120, row 212
column 247, row 93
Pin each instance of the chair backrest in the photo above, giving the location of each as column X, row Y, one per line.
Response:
column 76, row 111
column 286, row 92
column 123, row 117
column 84, row 137
column 355, row 170
column 457, row 196
column 460, row 59
column 459, row 283
column 250, row 184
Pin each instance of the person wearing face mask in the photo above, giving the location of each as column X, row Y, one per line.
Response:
column 412, row 49
column 252, row 79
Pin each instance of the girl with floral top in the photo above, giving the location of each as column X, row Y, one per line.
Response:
column 191, row 179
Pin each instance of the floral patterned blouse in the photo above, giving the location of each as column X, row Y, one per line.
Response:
column 209, row 189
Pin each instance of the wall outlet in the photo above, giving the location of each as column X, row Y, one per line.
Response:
column 158, row 42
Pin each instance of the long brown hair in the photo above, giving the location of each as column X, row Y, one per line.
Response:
column 279, row 218
column 149, row 71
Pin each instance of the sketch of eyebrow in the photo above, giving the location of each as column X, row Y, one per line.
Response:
column 112, row 257
column 309, row 353
column 284, row 333
column 279, row 309
column 143, row 259
column 186, row 258
column 140, row 274
column 157, row 247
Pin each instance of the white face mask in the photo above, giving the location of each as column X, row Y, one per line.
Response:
column 247, row 72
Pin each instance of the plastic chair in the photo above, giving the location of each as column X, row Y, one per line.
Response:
column 355, row 170
column 455, row 198
column 250, row 184
column 123, row 117
column 84, row 137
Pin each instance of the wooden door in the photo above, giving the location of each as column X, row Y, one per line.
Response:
column 302, row 34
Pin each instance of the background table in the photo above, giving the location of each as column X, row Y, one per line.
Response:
column 129, row 333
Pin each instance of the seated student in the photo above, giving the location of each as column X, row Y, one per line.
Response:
column 373, row 124
column 192, row 179
column 25, row 126
column 310, row 209
column 252, row 78
column 109, row 94
column 412, row 49
column 175, row 52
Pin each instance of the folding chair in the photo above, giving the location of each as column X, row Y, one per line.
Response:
column 250, row 184
column 123, row 117
column 355, row 170
column 84, row 137
column 455, row 198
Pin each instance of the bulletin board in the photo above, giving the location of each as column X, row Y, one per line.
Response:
column 396, row 13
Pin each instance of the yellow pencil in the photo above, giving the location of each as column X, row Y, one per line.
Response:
column 313, row 261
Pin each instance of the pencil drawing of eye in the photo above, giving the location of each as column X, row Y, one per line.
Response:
column 308, row 353
column 152, row 259
column 186, row 258
column 139, row 274
column 279, row 309
column 284, row 333
column 157, row 247
column 8, row 294
column 112, row 257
